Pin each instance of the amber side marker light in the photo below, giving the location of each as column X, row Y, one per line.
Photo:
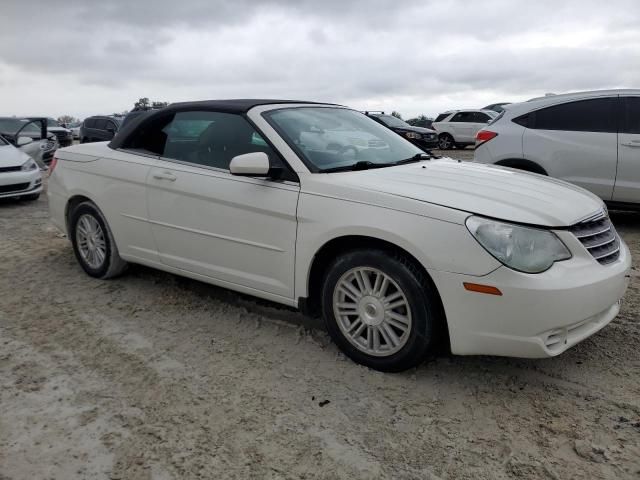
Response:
column 476, row 287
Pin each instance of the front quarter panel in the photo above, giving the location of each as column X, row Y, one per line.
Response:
column 437, row 244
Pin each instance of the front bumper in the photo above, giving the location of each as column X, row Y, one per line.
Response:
column 539, row 315
column 425, row 144
column 17, row 184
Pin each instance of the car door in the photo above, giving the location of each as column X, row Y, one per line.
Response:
column 627, row 187
column 36, row 130
column 576, row 141
column 110, row 130
column 97, row 133
column 239, row 231
column 462, row 125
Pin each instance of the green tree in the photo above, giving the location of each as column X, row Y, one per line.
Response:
column 396, row 114
column 142, row 104
column 145, row 104
column 420, row 121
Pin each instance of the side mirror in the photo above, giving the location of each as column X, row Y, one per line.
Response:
column 254, row 164
column 24, row 141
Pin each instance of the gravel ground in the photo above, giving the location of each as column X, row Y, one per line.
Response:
column 152, row 376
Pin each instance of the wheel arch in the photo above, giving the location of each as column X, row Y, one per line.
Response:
column 522, row 164
column 72, row 203
column 311, row 305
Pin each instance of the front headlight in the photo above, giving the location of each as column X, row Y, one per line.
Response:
column 526, row 249
column 29, row 165
column 413, row 135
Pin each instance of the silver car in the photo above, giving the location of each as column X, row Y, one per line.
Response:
column 591, row 139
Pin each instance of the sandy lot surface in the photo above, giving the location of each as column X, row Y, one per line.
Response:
column 151, row 376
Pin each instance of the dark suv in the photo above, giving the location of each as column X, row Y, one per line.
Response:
column 99, row 128
column 422, row 138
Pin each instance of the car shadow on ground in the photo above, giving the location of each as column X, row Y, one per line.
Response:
column 439, row 362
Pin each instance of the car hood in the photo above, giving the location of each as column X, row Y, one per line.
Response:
column 488, row 190
column 11, row 156
column 415, row 129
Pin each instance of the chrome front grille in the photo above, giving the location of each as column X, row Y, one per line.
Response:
column 599, row 237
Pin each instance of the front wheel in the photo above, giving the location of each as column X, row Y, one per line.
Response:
column 380, row 310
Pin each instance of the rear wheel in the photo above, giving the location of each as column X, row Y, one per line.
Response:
column 93, row 242
column 445, row 141
column 380, row 310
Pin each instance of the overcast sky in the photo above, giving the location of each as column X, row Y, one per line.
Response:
column 82, row 57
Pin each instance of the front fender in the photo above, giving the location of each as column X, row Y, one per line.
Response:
column 437, row 244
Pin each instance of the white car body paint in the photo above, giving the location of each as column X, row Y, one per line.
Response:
column 260, row 237
column 15, row 182
column 605, row 163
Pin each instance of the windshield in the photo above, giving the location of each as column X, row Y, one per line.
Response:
column 52, row 123
column 391, row 121
column 329, row 138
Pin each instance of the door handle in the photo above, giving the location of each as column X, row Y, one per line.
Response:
column 632, row 143
column 164, row 176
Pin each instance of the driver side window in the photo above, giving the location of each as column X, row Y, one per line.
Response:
column 212, row 139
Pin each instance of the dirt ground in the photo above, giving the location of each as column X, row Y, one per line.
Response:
column 152, row 376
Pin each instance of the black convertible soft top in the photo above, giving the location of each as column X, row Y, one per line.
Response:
column 238, row 106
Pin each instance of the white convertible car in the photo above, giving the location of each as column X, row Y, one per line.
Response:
column 401, row 253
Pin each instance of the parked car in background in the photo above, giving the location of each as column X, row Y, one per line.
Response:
column 99, row 128
column 458, row 128
column 31, row 137
column 423, row 138
column 496, row 107
column 75, row 130
column 64, row 135
column 393, row 247
column 20, row 176
column 591, row 139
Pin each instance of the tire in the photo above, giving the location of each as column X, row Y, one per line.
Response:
column 31, row 198
column 110, row 265
column 415, row 335
column 445, row 141
column 84, row 140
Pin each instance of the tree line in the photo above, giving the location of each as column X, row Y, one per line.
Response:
column 420, row 121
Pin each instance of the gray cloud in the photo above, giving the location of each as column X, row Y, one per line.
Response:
column 413, row 56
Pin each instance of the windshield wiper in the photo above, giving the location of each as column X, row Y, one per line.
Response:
column 416, row 158
column 366, row 165
column 362, row 165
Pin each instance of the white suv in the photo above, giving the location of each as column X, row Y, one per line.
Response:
column 591, row 139
column 459, row 127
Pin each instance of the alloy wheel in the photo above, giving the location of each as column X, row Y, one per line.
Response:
column 372, row 311
column 91, row 241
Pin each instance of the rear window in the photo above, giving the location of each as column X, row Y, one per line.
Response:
column 89, row 122
column 441, row 117
column 101, row 124
column 464, row 117
column 593, row 115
